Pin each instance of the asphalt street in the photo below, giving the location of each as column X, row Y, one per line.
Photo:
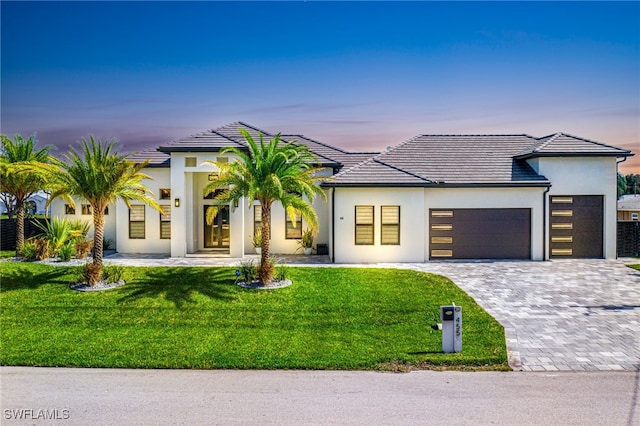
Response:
column 191, row 397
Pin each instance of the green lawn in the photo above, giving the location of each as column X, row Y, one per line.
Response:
column 330, row 318
column 6, row 254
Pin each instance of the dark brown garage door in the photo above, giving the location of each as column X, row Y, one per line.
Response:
column 480, row 233
column 576, row 226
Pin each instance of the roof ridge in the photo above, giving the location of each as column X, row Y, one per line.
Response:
column 551, row 137
column 256, row 129
column 590, row 141
column 241, row 143
column 403, row 171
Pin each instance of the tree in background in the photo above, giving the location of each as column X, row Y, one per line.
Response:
column 17, row 178
column 269, row 172
column 633, row 183
column 622, row 185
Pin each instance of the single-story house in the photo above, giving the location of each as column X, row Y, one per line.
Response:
column 431, row 197
column 629, row 207
column 36, row 204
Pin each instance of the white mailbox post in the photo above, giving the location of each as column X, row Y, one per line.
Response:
column 451, row 317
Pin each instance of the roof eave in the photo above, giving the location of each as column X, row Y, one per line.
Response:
column 523, row 184
column 573, row 154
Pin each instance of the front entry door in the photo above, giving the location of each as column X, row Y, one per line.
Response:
column 216, row 235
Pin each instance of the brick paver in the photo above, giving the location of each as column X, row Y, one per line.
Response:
column 558, row 315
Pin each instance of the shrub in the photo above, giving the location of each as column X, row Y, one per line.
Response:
column 28, row 251
column 91, row 274
column 79, row 229
column 281, row 273
column 57, row 232
column 66, row 252
column 306, row 241
column 43, row 248
column 83, row 248
column 107, row 244
column 248, row 271
column 113, row 274
column 257, row 238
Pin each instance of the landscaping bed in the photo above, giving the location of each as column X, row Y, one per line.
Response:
column 196, row 317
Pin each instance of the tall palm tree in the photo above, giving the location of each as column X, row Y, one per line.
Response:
column 21, row 183
column 269, row 172
column 100, row 176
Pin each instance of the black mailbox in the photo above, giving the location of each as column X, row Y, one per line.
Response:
column 446, row 313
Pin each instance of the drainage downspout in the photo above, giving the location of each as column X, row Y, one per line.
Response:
column 544, row 223
column 333, row 225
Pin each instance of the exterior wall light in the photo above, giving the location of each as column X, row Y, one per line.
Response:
column 176, row 202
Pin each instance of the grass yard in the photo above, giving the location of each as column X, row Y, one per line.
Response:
column 330, row 318
column 6, row 254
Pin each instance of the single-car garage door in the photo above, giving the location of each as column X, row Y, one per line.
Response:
column 480, row 233
column 576, row 226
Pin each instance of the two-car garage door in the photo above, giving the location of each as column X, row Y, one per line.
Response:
column 480, row 233
column 575, row 231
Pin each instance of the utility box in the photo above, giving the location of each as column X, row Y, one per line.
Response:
column 451, row 317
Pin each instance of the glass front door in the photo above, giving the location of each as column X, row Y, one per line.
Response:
column 216, row 235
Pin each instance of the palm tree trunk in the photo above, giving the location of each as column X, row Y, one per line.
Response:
column 98, row 236
column 19, row 225
column 265, row 271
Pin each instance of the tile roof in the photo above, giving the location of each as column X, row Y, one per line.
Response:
column 155, row 157
column 346, row 158
column 563, row 144
column 229, row 135
column 448, row 159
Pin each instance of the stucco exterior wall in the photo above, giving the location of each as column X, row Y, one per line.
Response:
column 152, row 242
column 110, row 220
column 585, row 176
column 412, row 225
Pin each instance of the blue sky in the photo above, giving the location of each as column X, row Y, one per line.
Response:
column 360, row 75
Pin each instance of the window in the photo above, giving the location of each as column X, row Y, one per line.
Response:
column 69, row 209
column 165, row 194
column 293, row 232
column 86, row 209
column 257, row 218
column 106, row 210
column 136, row 222
column 364, row 225
column 165, row 223
column 634, row 216
column 390, row 225
column 190, row 162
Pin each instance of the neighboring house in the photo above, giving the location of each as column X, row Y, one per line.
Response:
column 629, row 207
column 36, row 204
column 432, row 197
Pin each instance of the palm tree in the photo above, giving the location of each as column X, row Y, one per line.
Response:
column 20, row 183
column 100, row 176
column 269, row 172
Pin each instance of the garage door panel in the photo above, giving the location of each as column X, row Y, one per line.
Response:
column 582, row 220
column 481, row 233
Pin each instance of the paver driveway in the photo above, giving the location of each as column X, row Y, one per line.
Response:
column 558, row 315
